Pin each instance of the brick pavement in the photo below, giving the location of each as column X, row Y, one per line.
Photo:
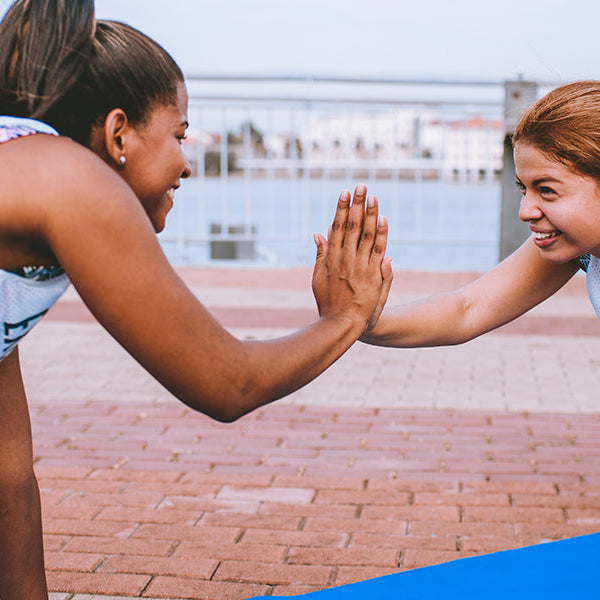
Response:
column 392, row 460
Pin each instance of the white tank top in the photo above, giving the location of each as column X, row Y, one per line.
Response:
column 25, row 297
column 593, row 282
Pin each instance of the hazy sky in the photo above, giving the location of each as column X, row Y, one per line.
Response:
column 548, row 40
column 551, row 40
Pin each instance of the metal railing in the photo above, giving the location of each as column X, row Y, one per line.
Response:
column 270, row 155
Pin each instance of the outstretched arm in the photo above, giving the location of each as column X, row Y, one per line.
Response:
column 510, row 289
column 104, row 241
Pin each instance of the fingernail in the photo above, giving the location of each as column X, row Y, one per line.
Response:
column 361, row 189
column 345, row 196
column 316, row 239
column 382, row 221
column 370, row 202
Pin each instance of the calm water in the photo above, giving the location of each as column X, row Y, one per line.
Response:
column 434, row 225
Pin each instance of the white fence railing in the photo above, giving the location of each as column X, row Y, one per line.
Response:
column 270, row 156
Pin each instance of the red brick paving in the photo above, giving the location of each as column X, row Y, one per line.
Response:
column 148, row 499
column 186, row 528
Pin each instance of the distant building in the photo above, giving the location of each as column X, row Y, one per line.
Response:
column 403, row 142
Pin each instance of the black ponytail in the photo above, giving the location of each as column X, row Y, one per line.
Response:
column 59, row 65
column 127, row 70
column 45, row 45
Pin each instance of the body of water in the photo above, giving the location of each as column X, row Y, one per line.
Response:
column 434, row 225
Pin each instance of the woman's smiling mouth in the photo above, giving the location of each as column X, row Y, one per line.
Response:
column 544, row 239
column 538, row 235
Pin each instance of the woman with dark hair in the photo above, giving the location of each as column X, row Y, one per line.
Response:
column 94, row 113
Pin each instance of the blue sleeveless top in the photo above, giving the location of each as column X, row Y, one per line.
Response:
column 28, row 293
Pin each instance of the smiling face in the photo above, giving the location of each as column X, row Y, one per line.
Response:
column 561, row 206
column 155, row 163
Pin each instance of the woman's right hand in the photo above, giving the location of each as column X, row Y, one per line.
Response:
column 351, row 278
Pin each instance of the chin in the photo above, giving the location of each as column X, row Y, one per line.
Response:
column 557, row 258
column 159, row 220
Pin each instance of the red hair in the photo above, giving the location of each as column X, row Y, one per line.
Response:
column 565, row 126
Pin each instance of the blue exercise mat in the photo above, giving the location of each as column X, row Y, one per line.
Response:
column 564, row 569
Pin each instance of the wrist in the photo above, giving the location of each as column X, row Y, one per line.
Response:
column 366, row 337
column 353, row 326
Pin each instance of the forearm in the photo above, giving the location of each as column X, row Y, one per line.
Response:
column 254, row 373
column 513, row 287
column 440, row 320
column 293, row 361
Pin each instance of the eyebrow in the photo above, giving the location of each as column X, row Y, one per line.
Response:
column 547, row 179
column 541, row 180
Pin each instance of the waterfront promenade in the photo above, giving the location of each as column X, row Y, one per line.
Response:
column 393, row 459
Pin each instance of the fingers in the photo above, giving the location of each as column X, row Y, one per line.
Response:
column 338, row 227
column 369, row 230
column 386, row 271
column 380, row 241
column 351, row 277
column 388, row 276
column 357, row 227
column 356, row 217
column 321, row 244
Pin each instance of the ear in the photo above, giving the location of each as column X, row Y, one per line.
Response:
column 114, row 133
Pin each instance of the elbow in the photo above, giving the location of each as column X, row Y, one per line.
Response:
column 238, row 402
column 231, row 394
column 227, row 414
column 219, row 411
column 228, row 405
column 251, row 389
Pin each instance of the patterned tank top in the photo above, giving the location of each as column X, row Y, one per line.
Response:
column 27, row 293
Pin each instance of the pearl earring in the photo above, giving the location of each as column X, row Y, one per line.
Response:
column 122, row 160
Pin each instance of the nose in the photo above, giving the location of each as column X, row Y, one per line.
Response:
column 529, row 209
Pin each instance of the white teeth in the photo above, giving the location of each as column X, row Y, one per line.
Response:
column 544, row 236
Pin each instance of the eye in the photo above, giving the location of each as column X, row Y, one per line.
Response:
column 546, row 191
column 520, row 187
column 180, row 138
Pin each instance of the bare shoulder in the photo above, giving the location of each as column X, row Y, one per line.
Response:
column 57, row 192
column 43, row 172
